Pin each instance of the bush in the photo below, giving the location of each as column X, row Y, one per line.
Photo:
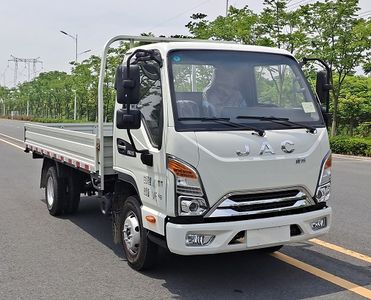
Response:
column 51, row 120
column 17, row 117
column 350, row 145
column 41, row 120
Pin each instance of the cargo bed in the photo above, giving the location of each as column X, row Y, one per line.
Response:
column 73, row 144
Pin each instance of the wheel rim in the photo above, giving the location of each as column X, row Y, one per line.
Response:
column 50, row 192
column 131, row 233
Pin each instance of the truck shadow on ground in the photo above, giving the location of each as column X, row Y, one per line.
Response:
column 234, row 275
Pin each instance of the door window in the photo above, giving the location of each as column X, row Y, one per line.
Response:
column 150, row 103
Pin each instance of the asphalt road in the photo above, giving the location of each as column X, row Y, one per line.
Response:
column 42, row 257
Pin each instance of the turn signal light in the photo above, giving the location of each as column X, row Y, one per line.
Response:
column 328, row 163
column 180, row 170
column 151, row 219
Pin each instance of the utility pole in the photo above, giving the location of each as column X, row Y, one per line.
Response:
column 2, row 101
column 75, row 38
column 226, row 8
column 27, row 62
column 75, row 106
column 278, row 24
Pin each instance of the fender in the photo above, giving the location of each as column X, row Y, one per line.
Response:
column 62, row 170
column 47, row 163
column 125, row 186
column 125, row 178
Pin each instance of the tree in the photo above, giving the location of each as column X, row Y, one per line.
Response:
column 281, row 28
column 239, row 26
column 272, row 22
column 355, row 104
column 340, row 38
column 4, row 95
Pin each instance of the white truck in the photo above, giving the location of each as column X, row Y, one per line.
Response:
column 215, row 147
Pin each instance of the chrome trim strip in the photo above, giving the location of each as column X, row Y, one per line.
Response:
column 231, row 212
column 230, row 203
column 226, row 210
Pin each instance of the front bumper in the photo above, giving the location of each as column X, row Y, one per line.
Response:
column 262, row 231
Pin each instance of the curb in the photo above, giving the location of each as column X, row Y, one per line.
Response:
column 363, row 158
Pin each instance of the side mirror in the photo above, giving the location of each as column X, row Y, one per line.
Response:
column 323, row 87
column 127, row 84
column 128, row 119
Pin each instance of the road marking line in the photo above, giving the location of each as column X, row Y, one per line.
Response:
column 341, row 250
column 10, row 137
column 14, row 145
column 350, row 286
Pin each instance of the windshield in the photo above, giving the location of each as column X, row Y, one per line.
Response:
column 241, row 87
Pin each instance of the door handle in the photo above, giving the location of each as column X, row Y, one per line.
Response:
column 125, row 148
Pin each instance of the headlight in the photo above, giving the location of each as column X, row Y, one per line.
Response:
column 190, row 195
column 324, row 183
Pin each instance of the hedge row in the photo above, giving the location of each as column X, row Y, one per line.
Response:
column 41, row 120
column 351, row 145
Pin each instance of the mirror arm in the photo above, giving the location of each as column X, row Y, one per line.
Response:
column 327, row 67
column 328, row 85
column 132, row 142
column 146, row 157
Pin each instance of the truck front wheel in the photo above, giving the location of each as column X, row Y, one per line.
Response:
column 54, row 192
column 140, row 252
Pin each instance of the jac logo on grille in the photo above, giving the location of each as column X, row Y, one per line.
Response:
column 287, row 146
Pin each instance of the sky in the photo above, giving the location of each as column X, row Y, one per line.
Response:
column 31, row 29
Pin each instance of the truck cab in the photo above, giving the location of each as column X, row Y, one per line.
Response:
column 225, row 146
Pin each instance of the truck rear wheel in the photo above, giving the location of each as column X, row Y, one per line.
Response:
column 140, row 252
column 54, row 192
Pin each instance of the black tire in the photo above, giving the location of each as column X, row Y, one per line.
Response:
column 145, row 254
column 54, row 192
column 271, row 249
column 72, row 195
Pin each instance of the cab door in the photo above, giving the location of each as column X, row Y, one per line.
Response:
column 150, row 180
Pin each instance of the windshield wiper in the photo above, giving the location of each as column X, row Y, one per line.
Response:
column 225, row 121
column 282, row 121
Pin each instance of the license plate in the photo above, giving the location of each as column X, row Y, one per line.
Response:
column 266, row 236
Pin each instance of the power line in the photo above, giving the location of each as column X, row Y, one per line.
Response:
column 180, row 14
column 235, row 2
column 367, row 12
column 366, row 15
column 299, row 3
